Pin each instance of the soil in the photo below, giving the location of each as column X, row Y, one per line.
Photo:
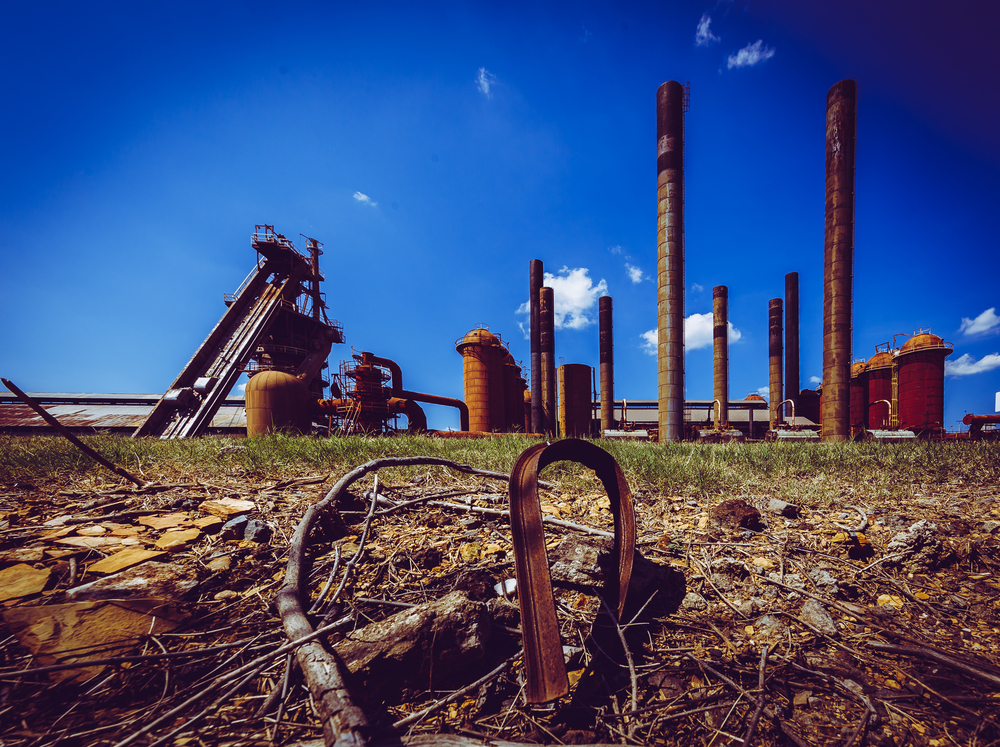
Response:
column 751, row 621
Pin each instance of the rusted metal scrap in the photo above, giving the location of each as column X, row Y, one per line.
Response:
column 545, row 670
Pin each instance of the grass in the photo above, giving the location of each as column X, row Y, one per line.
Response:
column 816, row 474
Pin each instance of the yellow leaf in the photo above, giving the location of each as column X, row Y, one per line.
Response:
column 889, row 600
column 922, row 595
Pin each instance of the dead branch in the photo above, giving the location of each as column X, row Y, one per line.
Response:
column 63, row 431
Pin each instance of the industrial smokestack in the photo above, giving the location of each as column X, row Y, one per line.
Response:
column 720, row 349
column 607, row 361
column 535, row 285
column 547, row 338
column 838, row 270
column 792, row 338
column 670, row 258
column 774, row 350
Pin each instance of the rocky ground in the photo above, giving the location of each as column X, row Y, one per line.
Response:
column 751, row 620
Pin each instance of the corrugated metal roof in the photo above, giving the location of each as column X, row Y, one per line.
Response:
column 103, row 417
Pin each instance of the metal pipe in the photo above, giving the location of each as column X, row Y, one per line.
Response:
column 792, row 337
column 670, row 259
column 838, row 273
column 607, row 361
column 546, row 325
column 535, row 277
column 888, row 404
column 720, row 350
column 774, row 352
column 790, row 402
column 396, row 382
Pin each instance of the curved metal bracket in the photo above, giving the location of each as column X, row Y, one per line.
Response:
column 545, row 670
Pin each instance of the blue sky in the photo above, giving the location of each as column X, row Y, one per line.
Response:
column 436, row 149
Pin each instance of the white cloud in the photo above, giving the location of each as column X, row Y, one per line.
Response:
column 985, row 322
column 574, row 294
column 649, row 342
column 966, row 365
column 698, row 331
column 816, row 380
column 634, row 273
column 616, row 249
column 697, row 287
column 750, row 55
column 703, row 36
column 363, row 198
column 242, row 387
column 765, row 392
column 484, row 81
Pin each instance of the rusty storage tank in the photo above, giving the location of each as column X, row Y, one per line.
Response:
column 513, row 400
column 527, row 407
column 808, row 406
column 482, row 365
column 859, row 398
column 920, row 388
column 879, row 373
column 575, row 405
column 277, row 401
column 371, row 407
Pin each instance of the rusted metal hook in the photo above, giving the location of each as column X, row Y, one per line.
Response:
column 545, row 670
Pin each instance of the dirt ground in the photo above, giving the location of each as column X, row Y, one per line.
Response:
column 750, row 621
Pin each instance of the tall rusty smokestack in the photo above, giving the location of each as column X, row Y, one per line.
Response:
column 607, row 360
column 535, row 285
column 670, row 258
column 792, row 339
column 838, row 266
column 774, row 349
column 720, row 349
column 547, row 338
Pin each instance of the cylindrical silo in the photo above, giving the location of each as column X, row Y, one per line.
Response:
column 774, row 351
column 838, row 271
column 859, row 399
column 277, row 401
column 808, row 406
column 920, row 365
column 574, row 400
column 670, row 258
column 482, row 366
column 535, row 277
column 878, row 374
column 607, row 361
column 792, row 339
column 720, row 353
column 513, row 400
column 547, row 336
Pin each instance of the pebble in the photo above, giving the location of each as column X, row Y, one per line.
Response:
column 257, row 531
column 234, row 528
column 991, row 526
column 815, row 614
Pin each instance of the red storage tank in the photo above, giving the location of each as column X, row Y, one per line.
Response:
column 879, row 372
column 859, row 398
column 920, row 387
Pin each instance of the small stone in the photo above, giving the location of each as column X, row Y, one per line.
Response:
column 693, row 601
column 234, row 528
column 220, row 564
column 94, row 530
column 816, row 615
column 226, row 507
column 788, row 510
column 257, row 531
column 737, row 514
column 470, row 552
column 991, row 526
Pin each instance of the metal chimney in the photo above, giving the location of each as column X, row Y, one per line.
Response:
column 838, row 269
column 792, row 338
column 547, row 338
column 670, row 100
column 535, row 285
column 774, row 350
column 720, row 349
column 607, row 361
